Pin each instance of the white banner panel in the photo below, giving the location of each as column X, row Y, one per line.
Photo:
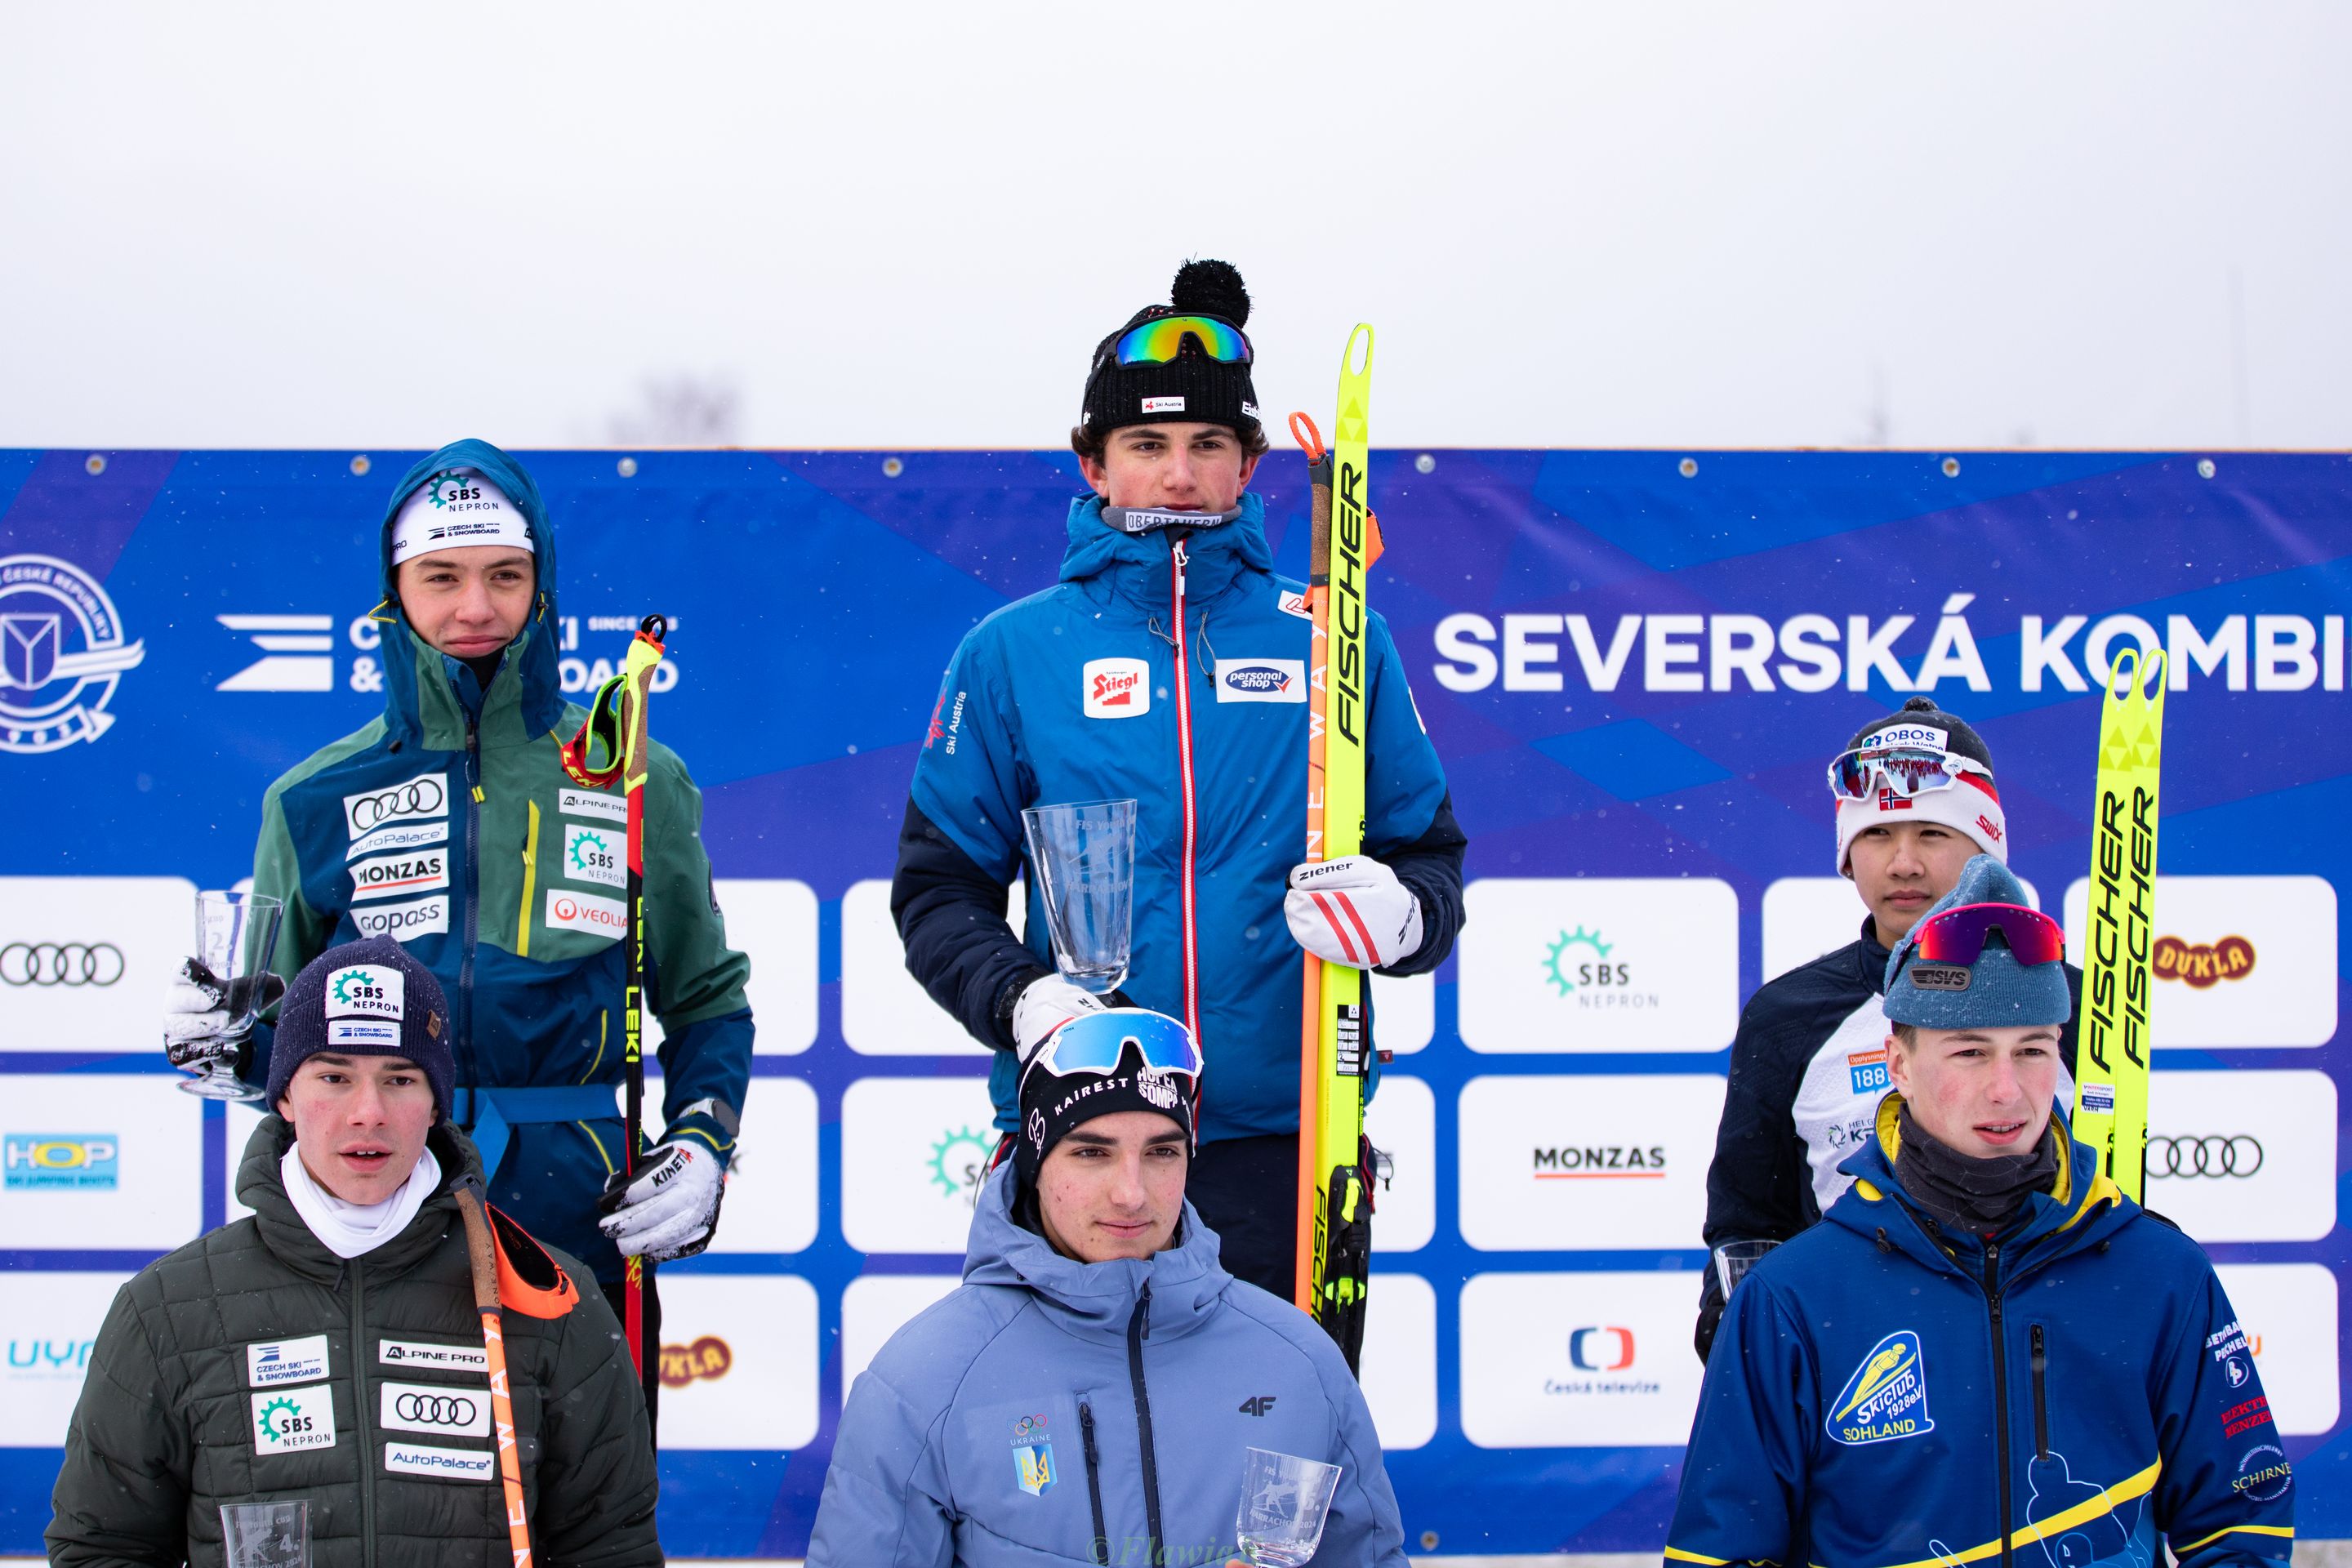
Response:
column 913, row 1154
column 2244, row 1155
column 84, row 960
column 1805, row 917
column 2288, row 1313
column 771, row 1184
column 1578, row 1361
column 2239, row 961
column 739, row 1360
column 52, row 1322
column 1598, row 964
column 103, row 1161
column 1577, row 1163
column 773, row 922
column 1400, row 1360
column 884, row 1011
column 1404, row 1012
column 1401, row 1122
column 876, row 1306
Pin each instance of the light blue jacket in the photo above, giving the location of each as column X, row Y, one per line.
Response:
column 1050, row 1410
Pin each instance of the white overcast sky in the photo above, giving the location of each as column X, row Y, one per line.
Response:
column 889, row 223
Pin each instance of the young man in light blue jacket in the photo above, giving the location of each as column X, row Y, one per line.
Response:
column 1089, row 1393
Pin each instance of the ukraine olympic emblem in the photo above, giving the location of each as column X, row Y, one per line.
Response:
column 1032, row 1455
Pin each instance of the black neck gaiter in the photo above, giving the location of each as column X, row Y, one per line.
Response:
column 1963, row 1192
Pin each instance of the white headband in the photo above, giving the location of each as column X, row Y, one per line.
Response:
column 458, row 506
column 1970, row 806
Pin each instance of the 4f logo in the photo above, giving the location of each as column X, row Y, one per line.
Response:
column 1257, row 1404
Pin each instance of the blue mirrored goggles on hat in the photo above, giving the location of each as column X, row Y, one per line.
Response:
column 1096, row 1042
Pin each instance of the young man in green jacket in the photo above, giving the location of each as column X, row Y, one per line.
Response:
column 450, row 824
column 326, row 1349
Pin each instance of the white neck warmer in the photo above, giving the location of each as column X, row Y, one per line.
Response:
column 349, row 1229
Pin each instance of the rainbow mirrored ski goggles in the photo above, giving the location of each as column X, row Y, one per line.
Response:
column 1907, row 770
column 1096, row 1042
column 1958, row 935
column 1157, row 343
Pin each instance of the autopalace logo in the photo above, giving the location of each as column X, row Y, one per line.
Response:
column 1581, row 968
column 1596, row 1352
column 1599, row 1163
column 2205, row 965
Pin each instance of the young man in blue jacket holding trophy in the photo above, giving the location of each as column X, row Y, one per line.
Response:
column 1988, row 1353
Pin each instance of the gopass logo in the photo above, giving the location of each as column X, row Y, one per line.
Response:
column 1887, row 1397
column 61, row 654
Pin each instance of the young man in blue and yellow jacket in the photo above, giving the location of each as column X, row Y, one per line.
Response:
column 1986, row 1353
column 1170, row 666
column 450, row 825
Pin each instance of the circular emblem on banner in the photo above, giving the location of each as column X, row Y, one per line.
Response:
column 61, row 654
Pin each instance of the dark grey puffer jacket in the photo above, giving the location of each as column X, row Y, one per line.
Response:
column 206, row 1387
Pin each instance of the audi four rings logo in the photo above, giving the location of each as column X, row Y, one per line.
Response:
column 452, row 1410
column 418, row 797
column 60, row 963
column 2211, row 1155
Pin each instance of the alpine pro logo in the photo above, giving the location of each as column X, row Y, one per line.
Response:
column 1887, row 1397
column 567, row 910
column 61, row 654
column 425, row 795
column 1262, row 681
column 1116, row 688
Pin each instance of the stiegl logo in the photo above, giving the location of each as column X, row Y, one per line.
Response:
column 1115, row 688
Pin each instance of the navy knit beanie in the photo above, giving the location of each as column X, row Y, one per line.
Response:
column 365, row 998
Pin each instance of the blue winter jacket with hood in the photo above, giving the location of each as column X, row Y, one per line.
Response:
column 1887, row 1392
column 1051, row 1411
column 1169, row 666
column 449, row 823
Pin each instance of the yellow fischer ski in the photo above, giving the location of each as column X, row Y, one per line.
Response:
column 2111, row 1082
column 1335, row 1232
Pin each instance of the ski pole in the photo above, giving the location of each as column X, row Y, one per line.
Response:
column 481, row 1253
column 612, row 744
column 1306, row 1278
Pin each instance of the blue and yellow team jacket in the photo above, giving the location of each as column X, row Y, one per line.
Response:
column 1881, row 1393
column 449, row 824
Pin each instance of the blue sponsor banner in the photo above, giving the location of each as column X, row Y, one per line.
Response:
column 1635, row 666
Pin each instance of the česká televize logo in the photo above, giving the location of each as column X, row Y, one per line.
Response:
column 62, row 655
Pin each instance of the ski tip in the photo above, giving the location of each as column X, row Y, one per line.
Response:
column 1347, row 365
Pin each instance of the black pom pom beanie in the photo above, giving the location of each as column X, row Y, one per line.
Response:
column 1190, row 388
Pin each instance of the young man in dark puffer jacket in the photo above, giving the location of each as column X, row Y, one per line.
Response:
column 328, row 1350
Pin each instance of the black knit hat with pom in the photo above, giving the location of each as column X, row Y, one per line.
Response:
column 1192, row 387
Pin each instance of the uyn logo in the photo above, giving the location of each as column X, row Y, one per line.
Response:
column 298, row 653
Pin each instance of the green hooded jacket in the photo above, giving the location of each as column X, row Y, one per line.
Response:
column 254, row 1365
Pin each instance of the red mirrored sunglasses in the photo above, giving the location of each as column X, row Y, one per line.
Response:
column 1958, row 936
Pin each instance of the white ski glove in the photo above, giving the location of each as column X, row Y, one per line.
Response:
column 1352, row 910
column 670, row 1209
column 1045, row 1004
column 196, row 1018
